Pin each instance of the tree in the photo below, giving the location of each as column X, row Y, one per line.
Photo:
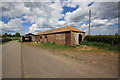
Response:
column 117, row 34
column 9, row 35
column 17, row 34
column 5, row 35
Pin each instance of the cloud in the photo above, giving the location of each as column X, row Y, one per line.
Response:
column 35, row 28
column 13, row 25
column 46, row 15
column 105, row 10
column 101, row 22
column 14, row 9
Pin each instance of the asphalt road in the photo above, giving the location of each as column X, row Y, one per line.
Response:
column 41, row 63
column 11, row 60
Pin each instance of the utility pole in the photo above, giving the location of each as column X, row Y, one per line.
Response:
column 89, row 21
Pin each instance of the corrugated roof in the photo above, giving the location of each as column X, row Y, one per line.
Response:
column 62, row 29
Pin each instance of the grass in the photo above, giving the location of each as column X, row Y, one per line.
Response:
column 51, row 46
column 56, row 46
column 102, row 45
column 14, row 38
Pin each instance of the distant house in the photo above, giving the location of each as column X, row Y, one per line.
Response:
column 27, row 38
column 63, row 36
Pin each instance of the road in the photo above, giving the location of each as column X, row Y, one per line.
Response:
column 41, row 63
column 11, row 60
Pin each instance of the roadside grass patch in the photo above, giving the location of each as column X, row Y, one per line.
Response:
column 102, row 46
column 56, row 46
column 85, row 46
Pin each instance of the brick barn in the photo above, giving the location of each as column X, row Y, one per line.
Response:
column 63, row 36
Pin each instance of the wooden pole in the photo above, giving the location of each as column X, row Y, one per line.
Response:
column 89, row 22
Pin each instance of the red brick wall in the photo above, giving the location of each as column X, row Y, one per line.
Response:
column 37, row 38
column 60, row 39
column 73, row 42
column 51, row 38
column 68, row 38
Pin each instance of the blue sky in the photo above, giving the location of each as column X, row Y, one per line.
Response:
column 37, row 17
column 69, row 9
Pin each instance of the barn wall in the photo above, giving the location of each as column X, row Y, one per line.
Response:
column 58, row 38
column 73, row 39
column 67, row 38
column 37, row 38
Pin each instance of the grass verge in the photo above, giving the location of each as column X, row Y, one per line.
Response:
column 102, row 45
column 83, row 47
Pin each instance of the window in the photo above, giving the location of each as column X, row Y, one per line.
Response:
column 45, row 36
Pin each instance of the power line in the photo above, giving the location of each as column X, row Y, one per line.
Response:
column 108, row 6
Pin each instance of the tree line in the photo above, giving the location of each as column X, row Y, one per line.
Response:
column 10, row 35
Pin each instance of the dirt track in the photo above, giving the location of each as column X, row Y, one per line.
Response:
column 42, row 63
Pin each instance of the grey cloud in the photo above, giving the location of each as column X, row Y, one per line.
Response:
column 105, row 10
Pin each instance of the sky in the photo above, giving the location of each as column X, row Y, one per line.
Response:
column 35, row 17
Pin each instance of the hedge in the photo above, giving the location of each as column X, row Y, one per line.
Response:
column 108, row 39
column 5, row 40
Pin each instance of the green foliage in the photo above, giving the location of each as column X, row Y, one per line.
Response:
column 17, row 34
column 108, row 39
column 107, row 42
column 11, row 35
column 4, row 35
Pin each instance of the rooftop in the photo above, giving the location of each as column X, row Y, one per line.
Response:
column 62, row 29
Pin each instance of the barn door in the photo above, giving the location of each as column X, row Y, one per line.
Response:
column 80, row 38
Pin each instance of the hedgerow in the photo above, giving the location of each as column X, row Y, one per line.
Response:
column 108, row 39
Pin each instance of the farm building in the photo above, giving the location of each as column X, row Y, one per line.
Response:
column 27, row 38
column 63, row 36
